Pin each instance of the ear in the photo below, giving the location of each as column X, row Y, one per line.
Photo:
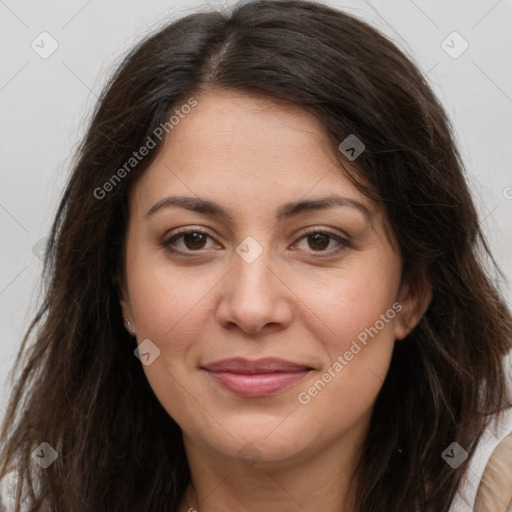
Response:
column 414, row 296
column 125, row 303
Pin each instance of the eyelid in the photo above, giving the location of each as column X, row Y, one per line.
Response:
column 310, row 230
column 176, row 233
column 189, row 229
column 343, row 240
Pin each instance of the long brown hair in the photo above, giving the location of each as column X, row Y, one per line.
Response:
column 79, row 387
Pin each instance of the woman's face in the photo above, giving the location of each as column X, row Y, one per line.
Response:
column 253, row 284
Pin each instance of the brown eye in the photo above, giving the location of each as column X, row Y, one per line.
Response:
column 194, row 240
column 191, row 240
column 319, row 241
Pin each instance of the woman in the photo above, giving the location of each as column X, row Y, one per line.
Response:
column 266, row 287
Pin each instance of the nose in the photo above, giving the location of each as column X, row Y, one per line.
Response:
column 255, row 298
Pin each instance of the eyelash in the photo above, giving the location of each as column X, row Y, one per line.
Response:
column 343, row 243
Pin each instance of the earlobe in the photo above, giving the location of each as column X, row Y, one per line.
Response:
column 129, row 326
column 126, row 309
column 414, row 298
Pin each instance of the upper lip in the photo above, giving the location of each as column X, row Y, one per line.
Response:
column 246, row 366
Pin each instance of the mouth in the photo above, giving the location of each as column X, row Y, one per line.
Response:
column 263, row 377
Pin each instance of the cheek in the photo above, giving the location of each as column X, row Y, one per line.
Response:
column 169, row 302
column 352, row 315
column 340, row 305
column 357, row 347
column 171, row 309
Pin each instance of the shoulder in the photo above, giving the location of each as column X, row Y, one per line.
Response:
column 487, row 484
column 495, row 489
column 8, row 489
column 7, row 492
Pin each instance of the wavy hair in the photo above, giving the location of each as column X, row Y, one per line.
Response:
column 77, row 384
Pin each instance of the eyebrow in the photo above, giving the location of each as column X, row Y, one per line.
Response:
column 285, row 211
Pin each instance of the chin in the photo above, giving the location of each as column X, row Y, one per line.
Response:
column 262, row 445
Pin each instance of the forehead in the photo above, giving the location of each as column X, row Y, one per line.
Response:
column 250, row 133
column 249, row 140
column 250, row 153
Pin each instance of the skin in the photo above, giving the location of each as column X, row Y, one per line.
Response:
column 300, row 299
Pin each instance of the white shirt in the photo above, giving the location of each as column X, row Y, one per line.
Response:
column 496, row 431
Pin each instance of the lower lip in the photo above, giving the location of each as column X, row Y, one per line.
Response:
column 261, row 384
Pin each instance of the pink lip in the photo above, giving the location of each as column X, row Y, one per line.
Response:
column 262, row 377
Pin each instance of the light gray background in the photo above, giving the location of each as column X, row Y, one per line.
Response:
column 45, row 103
